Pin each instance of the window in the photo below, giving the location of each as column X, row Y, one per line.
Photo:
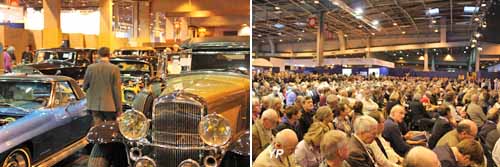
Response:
column 64, row 94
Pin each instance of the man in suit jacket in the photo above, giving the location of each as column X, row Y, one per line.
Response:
column 466, row 129
column 286, row 140
column 442, row 126
column 475, row 112
column 102, row 83
column 463, row 154
column 364, row 134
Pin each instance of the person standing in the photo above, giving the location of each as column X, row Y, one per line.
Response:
column 27, row 55
column 11, row 51
column 102, row 83
column 7, row 61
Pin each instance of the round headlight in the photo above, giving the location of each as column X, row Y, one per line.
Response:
column 129, row 96
column 133, row 125
column 188, row 163
column 214, row 130
column 145, row 162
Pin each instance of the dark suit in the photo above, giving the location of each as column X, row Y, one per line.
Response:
column 102, row 84
column 487, row 127
column 446, row 156
column 419, row 116
column 393, row 135
column 441, row 127
column 359, row 155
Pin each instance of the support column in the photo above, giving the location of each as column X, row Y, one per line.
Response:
column 426, row 59
column 433, row 63
column 341, row 38
column 156, row 29
column 51, row 33
column 144, row 34
column 105, row 26
column 320, row 39
column 442, row 30
column 477, row 60
column 368, row 47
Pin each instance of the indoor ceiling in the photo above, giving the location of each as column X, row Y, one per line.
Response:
column 363, row 18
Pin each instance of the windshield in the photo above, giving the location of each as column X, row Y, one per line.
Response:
column 132, row 66
column 219, row 61
column 27, row 95
column 55, row 56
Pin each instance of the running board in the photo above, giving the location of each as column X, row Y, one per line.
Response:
column 60, row 155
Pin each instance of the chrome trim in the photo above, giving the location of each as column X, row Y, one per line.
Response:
column 190, row 161
column 134, row 156
column 147, row 159
column 60, row 155
column 207, row 164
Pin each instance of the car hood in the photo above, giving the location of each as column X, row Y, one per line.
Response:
column 12, row 111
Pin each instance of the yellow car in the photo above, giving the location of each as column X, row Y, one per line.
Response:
column 134, row 74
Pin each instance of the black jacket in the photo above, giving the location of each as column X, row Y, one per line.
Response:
column 441, row 127
column 446, row 156
column 393, row 135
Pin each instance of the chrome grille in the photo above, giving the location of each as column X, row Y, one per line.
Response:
column 176, row 124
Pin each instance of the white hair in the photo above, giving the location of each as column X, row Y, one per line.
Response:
column 364, row 124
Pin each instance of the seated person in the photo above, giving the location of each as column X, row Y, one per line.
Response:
column 393, row 135
column 442, row 125
column 465, row 153
column 466, row 129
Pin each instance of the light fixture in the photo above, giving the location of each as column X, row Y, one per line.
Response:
column 483, row 5
column 358, row 11
column 474, row 41
column 375, row 22
column 432, row 11
column 400, row 58
column 360, row 26
column 476, row 19
column 373, row 33
column 421, row 58
column 300, row 39
column 316, row 2
column 473, row 45
column 434, row 49
column 395, row 24
column 466, row 47
column 345, row 35
column 404, row 32
column 279, row 25
column 259, row 35
column 479, row 48
column 477, row 35
column 465, row 51
column 434, row 21
column 448, row 57
column 302, row 1
column 281, row 40
column 484, row 25
column 277, row 8
column 436, row 30
column 303, row 30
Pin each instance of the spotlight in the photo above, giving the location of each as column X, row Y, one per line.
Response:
column 277, row 8
column 281, row 40
column 373, row 33
column 434, row 21
column 316, row 2
column 477, row 35
column 436, row 30
column 395, row 24
column 404, row 32
column 476, row 19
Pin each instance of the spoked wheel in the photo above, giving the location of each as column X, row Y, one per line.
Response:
column 17, row 158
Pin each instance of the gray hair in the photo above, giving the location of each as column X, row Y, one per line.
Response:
column 255, row 101
column 417, row 96
column 331, row 142
column 364, row 124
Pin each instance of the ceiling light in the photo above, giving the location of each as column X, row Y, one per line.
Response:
column 300, row 39
column 480, row 48
column 316, row 2
column 421, row 58
column 477, row 35
column 434, row 21
column 473, row 45
column 373, row 33
column 279, row 25
column 434, row 49
column 360, row 26
column 259, row 35
column 281, row 40
column 432, row 11
column 407, row 55
column 483, row 5
column 253, row 26
column 474, row 41
column 400, row 58
column 436, row 30
column 466, row 47
column 277, row 8
column 263, row 41
column 465, row 51
column 279, row 33
column 471, row 9
column 358, row 11
column 395, row 24
column 345, row 35
column 375, row 22
column 404, row 32
column 302, row 1
column 300, row 23
column 400, row 51
column 484, row 25
column 476, row 19
column 303, row 30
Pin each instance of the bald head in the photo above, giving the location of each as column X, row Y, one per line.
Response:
column 269, row 118
column 286, row 140
column 466, row 129
column 421, row 157
column 474, row 98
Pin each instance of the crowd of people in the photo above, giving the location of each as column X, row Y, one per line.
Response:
column 8, row 58
column 331, row 120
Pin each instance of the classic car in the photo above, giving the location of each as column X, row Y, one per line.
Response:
column 135, row 73
column 213, row 53
column 61, row 61
column 135, row 51
column 200, row 118
column 43, row 119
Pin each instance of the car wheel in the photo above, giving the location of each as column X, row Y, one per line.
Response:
column 18, row 157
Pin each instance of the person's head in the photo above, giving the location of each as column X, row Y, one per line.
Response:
column 492, row 114
column 104, row 52
column 363, row 128
column 398, row 113
column 470, row 151
column 444, row 111
column 358, row 107
column 332, row 100
column 298, row 101
column 344, row 109
column 334, row 146
column 421, row 157
column 474, row 98
column 449, row 96
column 28, row 47
column 276, row 104
column 270, row 119
column 266, row 102
column 315, row 133
column 255, row 105
column 466, row 130
column 324, row 114
column 292, row 113
column 417, row 97
column 286, row 140
column 308, row 104
column 394, row 96
column 380, row 120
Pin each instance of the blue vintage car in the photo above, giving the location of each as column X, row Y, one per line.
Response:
column 43, row 119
